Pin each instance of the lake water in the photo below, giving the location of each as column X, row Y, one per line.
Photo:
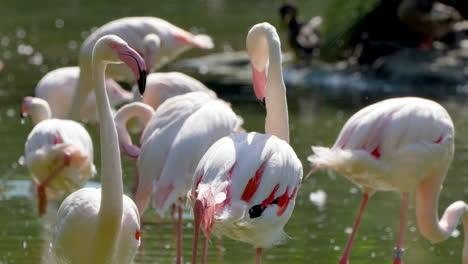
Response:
column 38, row 36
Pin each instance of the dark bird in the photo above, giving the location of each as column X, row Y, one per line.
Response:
column 303, row 37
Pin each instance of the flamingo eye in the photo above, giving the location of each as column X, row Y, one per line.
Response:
column 113, row 45
column 137, row 234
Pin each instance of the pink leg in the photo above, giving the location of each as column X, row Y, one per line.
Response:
column 179, row 236
column 345, row 257
column 205, row 250
column 137, row 180
column 258, row 257
column 197, row 211
column 401, row 232
column 41, row 189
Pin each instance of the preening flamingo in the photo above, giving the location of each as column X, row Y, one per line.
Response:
column 57, row 87
column 140, row 34
column 245, row 185
column 172, row 144
column 58, row 153
column 138, row 110
column 399, row 144
column 102, row 225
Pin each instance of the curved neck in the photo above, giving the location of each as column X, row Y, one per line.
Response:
column 139, row 110
column 83, row 87
column 427, row 206
column 111, row 208
column 277, row 122
column 40, row 110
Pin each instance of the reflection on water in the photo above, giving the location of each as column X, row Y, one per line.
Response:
column 36, row 39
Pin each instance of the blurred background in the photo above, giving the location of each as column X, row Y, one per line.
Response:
column 339, row 57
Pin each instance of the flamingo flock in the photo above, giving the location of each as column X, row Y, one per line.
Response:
column 192, row 151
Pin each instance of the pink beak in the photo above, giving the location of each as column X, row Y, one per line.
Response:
column 136, row 63
column 259, row 83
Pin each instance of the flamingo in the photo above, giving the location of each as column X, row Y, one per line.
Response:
column 245, row 185
column 164, row 85
column 172, row 144
column 399, row 144
column 159, row 88
column 58, row 86
column 158, row 40
column 102, row 225
column 58, row 153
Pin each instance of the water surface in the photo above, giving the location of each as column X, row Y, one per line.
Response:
column 42, row 35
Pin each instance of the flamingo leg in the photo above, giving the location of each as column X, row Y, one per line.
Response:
column 197, row 212
column 345, row 257
column 401, row 232
column 258, row 256
column 179, row 235
column 205, row 250
column 41, row 188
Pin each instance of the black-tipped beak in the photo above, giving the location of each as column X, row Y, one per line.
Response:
column 263, row 102
column 142, row 81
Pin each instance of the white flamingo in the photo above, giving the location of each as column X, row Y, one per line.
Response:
column 172, row 144
column 399, row 145
column 58, row 153
column 164, row 85
column 138, row 32
column 102, row 225
column 57, row 87
column 245, row 185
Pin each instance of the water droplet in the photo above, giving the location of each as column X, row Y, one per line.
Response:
column 348, row 230
column 10, row 112
column 21, row 158
column 25, row 244
column 455, row 233
column 20, row 33
column 59, row 23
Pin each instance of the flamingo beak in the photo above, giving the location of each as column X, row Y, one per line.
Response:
column 136, row 63
column 259, row 84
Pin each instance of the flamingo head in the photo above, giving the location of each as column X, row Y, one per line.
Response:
column 258, row 51
column 26, row 106
column 113, row 49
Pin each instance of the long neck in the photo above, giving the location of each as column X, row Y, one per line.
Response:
column 83, row 88
column 40, row 111
column 110, row 212
column 277, row 122
column 142, row 111
column 427, row 205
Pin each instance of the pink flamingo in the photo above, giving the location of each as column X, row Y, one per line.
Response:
column 102, row 225
column 245, row 185
column 399, row 145
column 164, row 85
column 58, row 153
column 172, row 144
column 159, row 88
column 57, row 87
column 158, row 40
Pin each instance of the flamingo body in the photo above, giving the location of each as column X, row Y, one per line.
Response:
column 174, row 141
column 162, row 86
column 392, row 145
column 172, row 41
column 248, row 183
column 79, row 212
column 57, row 87
column 43, row 154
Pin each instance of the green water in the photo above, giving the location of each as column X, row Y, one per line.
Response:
column 53, row 31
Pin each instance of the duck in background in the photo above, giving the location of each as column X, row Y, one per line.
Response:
column 303, row 36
